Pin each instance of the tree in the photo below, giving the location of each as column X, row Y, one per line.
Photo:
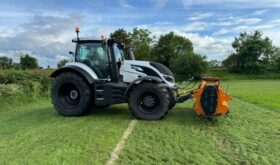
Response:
column 6, row 63
column 169, row 46
column 141, row 41
column 171, row 50
column 276, row 59
column 231, row 62
column 189, row 65
column 62, row 62
column 28, row 62
column 254, row 53
column 214, row 64
column 122, row 36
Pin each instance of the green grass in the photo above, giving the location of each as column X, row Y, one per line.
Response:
column 224, row 74
column 261, row 92
column 36, row 134
column 249, row 135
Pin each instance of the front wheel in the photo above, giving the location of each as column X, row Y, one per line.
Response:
column 148, row 101
column 71, row 95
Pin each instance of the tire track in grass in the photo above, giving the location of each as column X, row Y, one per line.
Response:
column 118, row 149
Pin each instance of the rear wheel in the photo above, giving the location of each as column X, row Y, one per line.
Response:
column 71, row 95
column 148, row 101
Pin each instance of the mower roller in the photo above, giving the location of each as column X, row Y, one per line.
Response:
column 104, row 72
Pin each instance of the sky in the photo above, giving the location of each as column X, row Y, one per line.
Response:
column 45, row 28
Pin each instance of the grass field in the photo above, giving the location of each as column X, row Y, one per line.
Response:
column 36, row 134
column 261, row 92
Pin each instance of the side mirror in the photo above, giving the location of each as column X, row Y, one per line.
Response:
column 72, row 53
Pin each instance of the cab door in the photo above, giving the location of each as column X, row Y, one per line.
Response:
column 93, row 54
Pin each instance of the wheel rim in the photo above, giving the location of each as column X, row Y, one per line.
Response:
column 148, row 102
column 69, row 95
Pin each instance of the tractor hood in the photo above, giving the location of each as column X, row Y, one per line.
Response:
column 133, row 69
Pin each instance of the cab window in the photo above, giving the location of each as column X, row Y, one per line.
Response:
column 119, row 53
column 94, row 56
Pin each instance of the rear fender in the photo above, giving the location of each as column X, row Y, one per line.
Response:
column 79, row 68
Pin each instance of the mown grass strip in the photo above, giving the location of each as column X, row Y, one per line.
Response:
column 115, row 153
column 249, row 135
column 36, row 134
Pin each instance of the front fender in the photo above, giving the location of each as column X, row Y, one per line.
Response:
column 140, row 80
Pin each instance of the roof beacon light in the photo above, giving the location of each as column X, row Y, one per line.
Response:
column 102, row 37
column 77, row 31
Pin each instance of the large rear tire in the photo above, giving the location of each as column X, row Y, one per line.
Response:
column 71, row 95
column 148, row 101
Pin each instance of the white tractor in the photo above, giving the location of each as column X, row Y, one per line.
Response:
column 104, row 72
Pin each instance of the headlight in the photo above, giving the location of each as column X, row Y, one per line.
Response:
column 168, row 78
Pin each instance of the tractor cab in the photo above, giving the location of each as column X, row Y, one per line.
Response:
column 104, row 57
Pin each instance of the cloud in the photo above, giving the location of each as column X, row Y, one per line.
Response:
column 125, row 4
column 249, row 27
column 230, row 21
column 44, row 36
column 213, row 48
column 163, row 23
column 195, row 26
column 201, row 16
column 221, row 32
column 187, row 3
column 274, row 35
column 160, row 4
column 232, row 4
column 260, row 12
column 61, row 57
column 45, row 28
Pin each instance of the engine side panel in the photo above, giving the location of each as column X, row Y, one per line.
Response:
column 133, row 69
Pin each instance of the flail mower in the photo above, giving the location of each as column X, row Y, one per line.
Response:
column 104, row 72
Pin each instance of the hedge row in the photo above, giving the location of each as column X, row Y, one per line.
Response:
column 18, row 87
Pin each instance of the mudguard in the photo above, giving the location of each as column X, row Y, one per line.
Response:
column 79, row 68
column 142, row 79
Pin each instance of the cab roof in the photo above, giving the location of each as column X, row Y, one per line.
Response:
column 86, row 39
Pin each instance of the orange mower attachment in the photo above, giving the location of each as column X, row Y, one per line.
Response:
column 210, row 100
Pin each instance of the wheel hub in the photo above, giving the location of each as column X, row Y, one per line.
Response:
column 149, row 101
column 74, row 94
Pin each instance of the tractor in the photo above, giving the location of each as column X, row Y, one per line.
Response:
column 104, row 72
